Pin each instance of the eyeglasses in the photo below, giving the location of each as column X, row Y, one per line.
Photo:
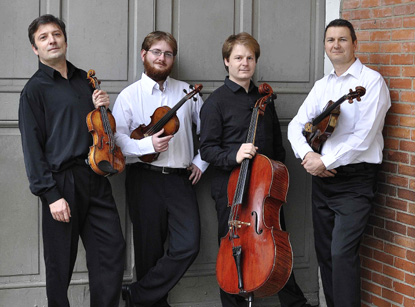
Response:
column 157, row 53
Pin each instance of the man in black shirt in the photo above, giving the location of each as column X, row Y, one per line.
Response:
column 225, row 119
column 75, row 201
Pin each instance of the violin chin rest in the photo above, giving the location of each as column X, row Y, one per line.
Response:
column 106, row 167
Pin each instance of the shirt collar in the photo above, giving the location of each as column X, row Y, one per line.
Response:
column 234, row 87
column 150, row 84
column 51, row 72
column 355, row 69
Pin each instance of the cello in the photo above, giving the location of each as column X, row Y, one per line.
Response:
column 163, row 117
column 255, row 257
column 320, row 129
column 104, row 157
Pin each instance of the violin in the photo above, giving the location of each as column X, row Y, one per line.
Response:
column 163, row 117
column 320, row 129
column 255, row 257
column 104, row 157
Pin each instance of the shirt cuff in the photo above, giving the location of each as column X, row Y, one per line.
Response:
column 328, row 160
column 304, row 149
column 146, row 146
column 202, row 165
column 51, row 195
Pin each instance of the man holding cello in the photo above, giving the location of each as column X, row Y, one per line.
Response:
column 225, row 119
column 161, row 171
column 75, row 200
column 344, row 172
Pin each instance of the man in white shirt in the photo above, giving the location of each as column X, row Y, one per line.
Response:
column 160, row 195
column 344, row 173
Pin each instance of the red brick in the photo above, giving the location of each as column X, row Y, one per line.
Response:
column 382, row 280
column 409, row 22
column 380, row 302
column 405, row 242
column 410, row 255
column 373, row 242
column 408, row 71
column 410, row 279
column 390, row 2
column 370, row 3
column 363, row 36
column 400, row 83
column 380, row 36
column 408, row 47
column 404, row 10
column 398, row 181
column 351, row 4
column 406, row 170
column 395, row 250
column 397, row 156
column 369, row 24
column 409, row 302
column 392, row 296
column 402, row 59
column 396, row 227
column 380, row 58
column 383, row 257
column 408, row 97
column 382, row 12
column 390, row 71
column 371, row 287
column 390, row 23
column 392, row 144
column 368, row 47
column 387, row 189
column 399, row 133
column 376, row 221
column 394, row 272
column 405, row 218
column 362, row 14
column 389, row 167
column 406, row 145
column 390, row 47
column 366, row 274
column 385, row 235
column 411, row 232
column 406, row 194
column 400, row 35
column 402, row 108
column 397, row 204
column 404, row 289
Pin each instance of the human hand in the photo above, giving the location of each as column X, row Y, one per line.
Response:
column 246, row 151
column 161, row 144
column 195, row 175
column 100, row 98
column 60, row 210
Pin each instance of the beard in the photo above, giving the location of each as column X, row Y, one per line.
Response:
column 155, row 73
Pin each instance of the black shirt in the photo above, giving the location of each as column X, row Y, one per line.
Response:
column 225, row 119
column 52, row 122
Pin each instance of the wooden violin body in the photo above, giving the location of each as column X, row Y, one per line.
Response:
column 255, row 257
column 267, row 259
column 163, row 117
column 104, row 157
column 320, row 129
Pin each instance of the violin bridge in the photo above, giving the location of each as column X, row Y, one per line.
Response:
column 238, row 224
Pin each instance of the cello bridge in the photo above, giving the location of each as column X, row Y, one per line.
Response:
column 238, row 224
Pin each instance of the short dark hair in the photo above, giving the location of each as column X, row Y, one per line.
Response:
column 342, row 23
column 244, row 39
column 157, row 36
column 43, row 20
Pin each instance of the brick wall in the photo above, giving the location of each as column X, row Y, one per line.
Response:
column 386, row 40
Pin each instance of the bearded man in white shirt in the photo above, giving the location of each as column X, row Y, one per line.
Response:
column 160, row 195
column 344, row 172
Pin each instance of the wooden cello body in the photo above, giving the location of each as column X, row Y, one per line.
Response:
column 267, row 259
column 255, row 257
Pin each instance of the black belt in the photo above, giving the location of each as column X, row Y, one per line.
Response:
column 162, row 169
column 353, row 168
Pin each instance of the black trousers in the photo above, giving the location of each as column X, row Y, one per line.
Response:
column 161, row 206
column 290, row 295
column 95, row 219
column 341, row 208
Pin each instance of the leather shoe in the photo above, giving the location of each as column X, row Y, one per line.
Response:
column 127, row 296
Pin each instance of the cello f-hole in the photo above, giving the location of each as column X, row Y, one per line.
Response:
column 257, row 230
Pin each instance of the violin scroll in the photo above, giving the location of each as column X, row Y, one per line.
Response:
column 95, row 83
column 360, row 91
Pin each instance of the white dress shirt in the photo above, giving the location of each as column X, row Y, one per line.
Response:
column 358, row 133
column 136, row 104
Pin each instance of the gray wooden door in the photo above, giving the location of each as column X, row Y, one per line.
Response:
column 106, row 35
